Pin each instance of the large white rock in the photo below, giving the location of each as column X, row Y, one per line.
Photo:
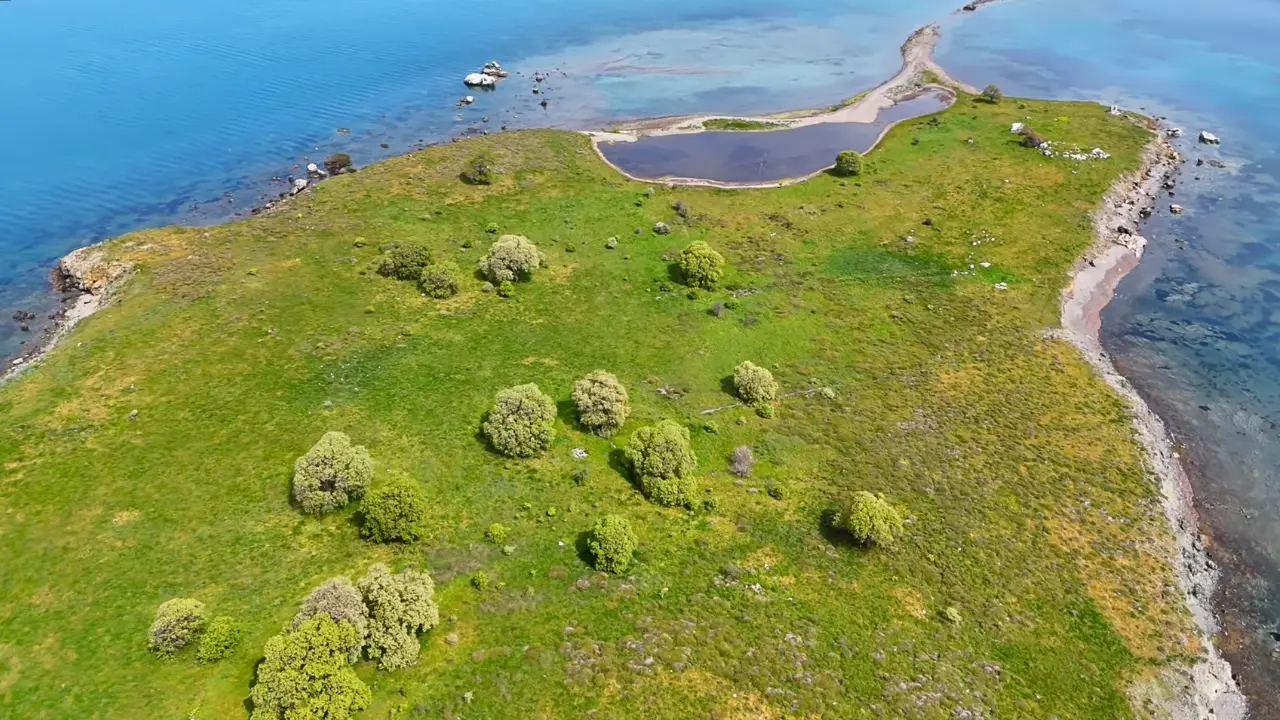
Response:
column 1175, row 132
column 1208, row 138
column 1016, row 127
column 480, row 80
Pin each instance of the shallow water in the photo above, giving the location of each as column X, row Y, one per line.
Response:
column 758, row 156
column 1197, row 325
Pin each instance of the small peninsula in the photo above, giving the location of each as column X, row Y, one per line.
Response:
column 496, row 430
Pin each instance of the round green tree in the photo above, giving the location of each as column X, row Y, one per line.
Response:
column 871, row 520
column 992, row 94
column 177, row 623
column 612, row 543
column 400, row 606
column 664, row 463
column 306, row 673
column 403, row 261
column 848, row 163
column 395, row 512
column 755, row 385
column 510, row 258
column 702, row 266
column 440, row 280
column 521, row 423
column 219, row 638
column 602, row 403
column 331, row 474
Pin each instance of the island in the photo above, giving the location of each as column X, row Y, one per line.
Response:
column 491, row 429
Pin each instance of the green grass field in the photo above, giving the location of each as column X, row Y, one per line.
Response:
column 738, row 124
column 1028, row 508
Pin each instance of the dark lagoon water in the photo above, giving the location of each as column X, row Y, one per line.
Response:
column 757, row 156
column 1197, row 325
column 139, row 113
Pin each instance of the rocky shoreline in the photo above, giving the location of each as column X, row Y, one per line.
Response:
column 1207, row 688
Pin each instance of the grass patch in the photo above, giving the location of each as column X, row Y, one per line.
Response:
column 1026, row 504
column 740, row 124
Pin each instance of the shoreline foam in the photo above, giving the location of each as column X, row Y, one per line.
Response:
column 1206, row 689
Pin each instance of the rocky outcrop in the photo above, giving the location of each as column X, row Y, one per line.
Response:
column 88, row 270
column 1209, row 138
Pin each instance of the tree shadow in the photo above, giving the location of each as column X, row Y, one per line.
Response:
column 618, row 463
column 583, row 550
column 568, row 413
column 728, row 388
column 831, row 531
column 675, row 274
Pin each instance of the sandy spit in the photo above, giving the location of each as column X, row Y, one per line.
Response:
column 1205, row 689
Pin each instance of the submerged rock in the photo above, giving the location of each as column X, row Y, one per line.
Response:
column 1209, row 138
column 480, row 80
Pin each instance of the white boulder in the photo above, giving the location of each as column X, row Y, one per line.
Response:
column 1099, row 154
column 1016, row 127
column 1175, row 209
column 1175, row 132
column 480, row 80
column 299, row 184
column 316, row 171
column 1208, row 138
column 1115, row 110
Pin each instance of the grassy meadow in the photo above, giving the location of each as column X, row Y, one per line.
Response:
column 1028, row 507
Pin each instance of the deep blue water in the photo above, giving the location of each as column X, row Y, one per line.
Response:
column 758, row 156
column 140, row 113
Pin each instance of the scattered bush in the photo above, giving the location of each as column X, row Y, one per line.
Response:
column 496, row 533
column 579, row 477
column 702, row 266
column 400, row 606
column 440, row 280
column 742, row 461
column 491, row 228
column 766, row 411
column 331, row 474
column 510, row 258
column 306, row 673
column 848, row 163
column 602, row 403
column 521, row 421
column 341, row 601
column 952, row 615
column 871, row 520
column 219, row 638
column 755, row 385
column 337, row 163
column 506, row 289
column 478, row 171
column 664, row 463
column 480, row 580
column 395, row 512
column 612, row 543
column 177, row 623
column 777, row 492
column 992, row 94
column 403, row 261
column 732, row 304
column 681, row 208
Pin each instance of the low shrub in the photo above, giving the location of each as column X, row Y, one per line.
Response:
column 601, row 401
column 337, row 163
column 496, row 533
column 306, row 673
column 177, row 623
column 218, row 640
column 755, row 385
column 331, row 474
column 612, row 544
column 440, row 280
column 510, row 258
column 521, row 423
column 871, row 520
column 506, row 289
column 403, row 261
column 702, row 266
column 341, row 601
column 664, row 463
column 848, row 163
column 478, row 170
column 400, row 606
column 395, row 512
column 480, row 580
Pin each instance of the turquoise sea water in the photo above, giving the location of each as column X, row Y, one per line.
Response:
column 140, row 113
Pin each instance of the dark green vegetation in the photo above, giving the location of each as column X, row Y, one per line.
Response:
column 848, row 163
column 739, row 124
column 1024, row 502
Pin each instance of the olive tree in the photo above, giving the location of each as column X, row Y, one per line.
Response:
column 331, row 474
column 306, row 673
column 177, row 623
column 400, row 606
column 338, row 598
column 403, row 261
column 612, row 543
column 395, row 512
column 440, row 280
column 702, row 266
column 871, row 520
column 992, row 94
column 511, row 257
column 602, row 403
column 755, row 385
column 521, row 423
column 848, row 163
column 663, row 463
